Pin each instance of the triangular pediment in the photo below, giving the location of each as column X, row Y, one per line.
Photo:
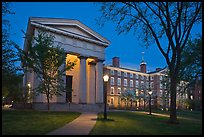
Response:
column 71, row 27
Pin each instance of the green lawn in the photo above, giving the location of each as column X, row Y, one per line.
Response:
column 30, row 122
column 137, row 123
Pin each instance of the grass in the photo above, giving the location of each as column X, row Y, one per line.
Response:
column 137, row 123
column 30, row 122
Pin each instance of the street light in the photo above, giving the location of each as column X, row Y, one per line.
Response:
column 29, row 92
column 150, row 93
column 105, row 78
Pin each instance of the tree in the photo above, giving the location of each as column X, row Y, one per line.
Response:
column 10, row 78
column 47, row 61
column 191, row 64
column 128, row 95
column 157, row 21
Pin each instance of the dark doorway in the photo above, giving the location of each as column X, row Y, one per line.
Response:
column 68, row 88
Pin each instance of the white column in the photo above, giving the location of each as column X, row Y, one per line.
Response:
column 82, row 80
column 92, row 83
column 99, row 81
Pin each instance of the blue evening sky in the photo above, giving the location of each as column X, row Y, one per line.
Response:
column 125, row 46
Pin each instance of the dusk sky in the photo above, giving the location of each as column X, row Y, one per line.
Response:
column 125, row 46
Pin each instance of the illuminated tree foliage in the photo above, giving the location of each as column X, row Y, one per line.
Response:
column 47, row 61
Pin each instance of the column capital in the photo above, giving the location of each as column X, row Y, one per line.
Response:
column 99, row 60
column 92, row 63
column 82, row 57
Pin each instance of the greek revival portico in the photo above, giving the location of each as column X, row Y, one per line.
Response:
column 82, row 45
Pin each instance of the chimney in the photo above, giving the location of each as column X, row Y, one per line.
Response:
column 143, row 68
column 116, row 62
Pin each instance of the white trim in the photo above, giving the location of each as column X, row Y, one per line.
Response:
column 74, row 24
column 112, row 89
column 69, row 34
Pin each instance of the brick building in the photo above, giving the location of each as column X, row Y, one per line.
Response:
column 140, row 81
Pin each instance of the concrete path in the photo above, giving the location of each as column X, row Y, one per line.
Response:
column 80, row 126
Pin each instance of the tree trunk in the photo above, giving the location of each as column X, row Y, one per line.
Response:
column 173, row 115
column 144, row 104
column 48, row 103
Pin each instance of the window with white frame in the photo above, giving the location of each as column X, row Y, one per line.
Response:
column 147, row 84
column 160, row 77
column 119, row 91
column 142, row 83
column 125, row 82
column 136, row 83
column 161, row 93
column 152, row 84
column 125, row 74
column 131, row 75
column 131, row 83
column 152, row 77
column 136, row 76
column 142, row 77
column 119, row 81
column 161, row 85
column 112, row 80
column 112, row 72
column 145, row 78
column 112, row 91
column 119, row 73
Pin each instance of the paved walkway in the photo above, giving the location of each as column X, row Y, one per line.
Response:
column 80, row 126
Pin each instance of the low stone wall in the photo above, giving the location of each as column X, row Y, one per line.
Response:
column 69, row 107
column 21, row 106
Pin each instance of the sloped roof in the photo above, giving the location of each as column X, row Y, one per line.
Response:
column 68, row 27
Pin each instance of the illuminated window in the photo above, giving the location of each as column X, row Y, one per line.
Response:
column 137, row 92
column 119, row 101
column 112, row 100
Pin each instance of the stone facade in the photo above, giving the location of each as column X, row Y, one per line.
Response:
column 81, row 44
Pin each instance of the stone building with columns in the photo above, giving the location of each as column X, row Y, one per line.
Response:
column 85, row 80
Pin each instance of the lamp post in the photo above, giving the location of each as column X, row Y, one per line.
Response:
column 29, row 92
column 150, row 93
column 105, row 78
